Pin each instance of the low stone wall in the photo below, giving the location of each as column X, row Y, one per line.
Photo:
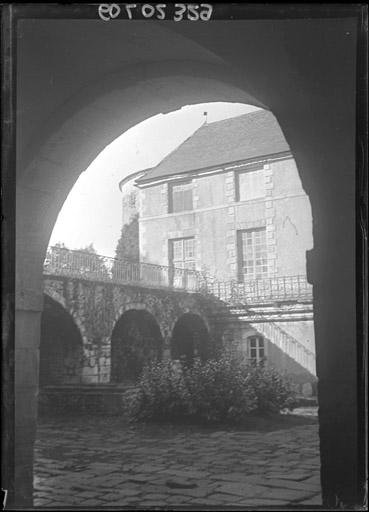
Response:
column 88, row 399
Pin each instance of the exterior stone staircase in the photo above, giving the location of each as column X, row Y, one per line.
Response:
column 223, row 314
column 288, row 344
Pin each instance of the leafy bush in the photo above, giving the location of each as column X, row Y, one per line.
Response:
column 223, row 389
column 161, row 393
column 219, row 390
column 273, row 391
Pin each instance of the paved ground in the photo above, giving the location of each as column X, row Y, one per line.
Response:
column 105, row 462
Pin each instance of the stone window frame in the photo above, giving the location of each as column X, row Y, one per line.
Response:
column 259, row 348
column 171, row 186
column 171, row 251
column 257, row 167
column 241, row 276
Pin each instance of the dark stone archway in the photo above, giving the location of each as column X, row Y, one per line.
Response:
column 135, row 342
column 190, row 339
column 313, row 59
column 60, row 347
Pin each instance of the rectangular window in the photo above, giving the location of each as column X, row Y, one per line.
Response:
column 252, row 254
column 180, row 196
column 250, row 184
column 256, row 349
column 182, row 253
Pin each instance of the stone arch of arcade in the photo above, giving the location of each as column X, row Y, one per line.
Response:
column 136, row 340
column 59, row 134
column 190, row 338
column 123, row 327
column 61, row 346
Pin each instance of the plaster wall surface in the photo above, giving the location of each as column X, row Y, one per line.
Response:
column 293, row 228
column 211, row 190
column 251, row 211
column 216, row 217
column 152, row 202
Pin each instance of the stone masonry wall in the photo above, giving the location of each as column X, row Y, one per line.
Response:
column 96, row 308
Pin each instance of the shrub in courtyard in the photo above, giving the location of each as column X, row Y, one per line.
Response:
column 219, row 390
column 273, row 391
column 160, row 393
column 225, row 389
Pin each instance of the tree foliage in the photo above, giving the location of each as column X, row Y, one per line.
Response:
column 84, row 261
column 128, row 243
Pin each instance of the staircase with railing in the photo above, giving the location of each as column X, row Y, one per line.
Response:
column 288, row 344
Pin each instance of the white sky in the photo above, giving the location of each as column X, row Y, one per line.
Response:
column 92, row 211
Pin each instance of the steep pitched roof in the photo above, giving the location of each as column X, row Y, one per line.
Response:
column 244, row 137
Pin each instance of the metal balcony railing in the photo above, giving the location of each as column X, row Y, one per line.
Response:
column 94, row 267
column 261, row 291
column 85, row 265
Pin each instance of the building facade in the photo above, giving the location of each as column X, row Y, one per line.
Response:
column 229, row 202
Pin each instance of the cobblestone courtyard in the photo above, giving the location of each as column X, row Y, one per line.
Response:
column 105, row 462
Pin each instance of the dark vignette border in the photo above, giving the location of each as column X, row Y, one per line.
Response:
column 361, row 204
column 10, row 13
column 8, row 163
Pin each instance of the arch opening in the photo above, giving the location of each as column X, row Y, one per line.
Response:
column 190, row 336
column 136, row 341
column 310, row 118
column 137, row 147
column 61, row 352
column 190, row 339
